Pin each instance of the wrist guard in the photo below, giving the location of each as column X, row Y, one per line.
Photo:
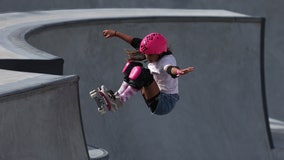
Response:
column 169, row 71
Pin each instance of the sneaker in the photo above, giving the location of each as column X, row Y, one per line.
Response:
column 114, row 98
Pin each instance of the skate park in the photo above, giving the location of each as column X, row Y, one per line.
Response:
column 222, row 112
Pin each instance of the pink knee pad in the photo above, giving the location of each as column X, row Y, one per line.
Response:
column 135, row 72
column 125, row 67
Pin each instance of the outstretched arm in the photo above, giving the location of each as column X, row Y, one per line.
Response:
column 177, row 72
column 180, row 72
column 112, row 33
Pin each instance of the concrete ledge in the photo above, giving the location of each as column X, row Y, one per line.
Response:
column 15, row 28
column 36, row 123
column 14, row 82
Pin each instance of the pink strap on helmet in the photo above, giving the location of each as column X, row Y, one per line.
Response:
column 153, row 43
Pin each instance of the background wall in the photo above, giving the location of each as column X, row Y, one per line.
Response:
column 220, row 110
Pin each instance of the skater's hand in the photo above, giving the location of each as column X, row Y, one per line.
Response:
column 112, row 33
column 109, row 33
column 184, row 71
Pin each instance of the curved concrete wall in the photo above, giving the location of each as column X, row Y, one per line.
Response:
column 35, row 122
column 271, row 11
column 220, row 114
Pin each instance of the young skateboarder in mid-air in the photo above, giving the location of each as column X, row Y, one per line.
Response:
column 158, row 84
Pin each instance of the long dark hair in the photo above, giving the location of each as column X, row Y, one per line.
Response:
column 136, row 55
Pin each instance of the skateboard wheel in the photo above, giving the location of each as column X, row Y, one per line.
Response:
column 93, row 94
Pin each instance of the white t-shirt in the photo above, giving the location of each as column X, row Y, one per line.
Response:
column 166, row 83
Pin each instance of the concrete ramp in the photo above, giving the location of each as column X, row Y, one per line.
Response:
column 40, row 117
column 222, row 112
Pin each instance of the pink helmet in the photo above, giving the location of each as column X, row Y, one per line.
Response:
column 153, row 43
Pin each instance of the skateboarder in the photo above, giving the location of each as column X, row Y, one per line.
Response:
column 158, row 84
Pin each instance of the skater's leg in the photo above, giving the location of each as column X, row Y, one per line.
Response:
column 151, row 95
column 129, row 92
column 122, row 88
column 138, row 78
column 159, row 103
column 128, row 68
column 150, row 91
column 126, row 71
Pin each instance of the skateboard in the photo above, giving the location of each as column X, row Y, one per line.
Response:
column 102, row 100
